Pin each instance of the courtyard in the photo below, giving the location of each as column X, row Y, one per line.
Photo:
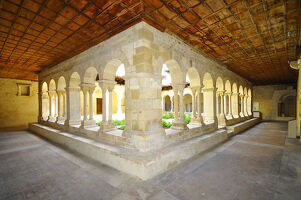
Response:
column 260, row 163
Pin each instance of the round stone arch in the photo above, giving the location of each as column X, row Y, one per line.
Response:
column 177, row 77
column 89, row 76
column 194, row 77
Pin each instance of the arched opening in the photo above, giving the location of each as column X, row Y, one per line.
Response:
column 172, row 83
column 87, row 96
column 61, row 93
column 209, row 103
column 167, row 104
column 112, row 84
column 194, row 81
column 52, row 101
column 45, row 101
column 188, row 103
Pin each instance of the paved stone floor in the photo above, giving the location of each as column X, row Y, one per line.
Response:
column 257, row 164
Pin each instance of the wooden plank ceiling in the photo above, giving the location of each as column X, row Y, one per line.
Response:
column 254, row 38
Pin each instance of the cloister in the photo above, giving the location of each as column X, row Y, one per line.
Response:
column 85, row 94
column 150, row 99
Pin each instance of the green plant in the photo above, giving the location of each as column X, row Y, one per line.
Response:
column 166, row 124
column 187, row 118
column 167, row 116
column 99, row 123
column 120, row 124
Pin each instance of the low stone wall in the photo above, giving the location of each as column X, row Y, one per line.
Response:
column 237, row 128
column 143, row 165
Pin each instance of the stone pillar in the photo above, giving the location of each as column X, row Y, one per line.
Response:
column 143, row 87
column 221, row 117
column 209, row 105
column 199, row 118
column 110, row 117
column 91, row 104
column 107, row 122
column 50, row 106
column 230, row 105
column 59, row 95
column 163, row 104
column 180, row 124
column 85, row 90
column 65, row 105
column 176, row 104
column 193, row 116
column 73, row 106
column 222, row 114
column 40, row 117
column 241, row 114
column 246, row 106
column 235, row 100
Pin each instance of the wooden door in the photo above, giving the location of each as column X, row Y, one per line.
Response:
column 99, row 106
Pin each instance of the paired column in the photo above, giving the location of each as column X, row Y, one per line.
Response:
column 59, row 95
column 241, row 105
column 176, row 104
column 107, row 122
column 230, row 115
column 91, row 105
column 88, row 89
column 234, row 104
column 193, row 116
column 50, row 93
column 179, row 123
column 73, row 106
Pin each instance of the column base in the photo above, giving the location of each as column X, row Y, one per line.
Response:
column 229, row 116
column 241, row 114
column 179, row 125
column 106, row 126
column 88, row 123
column 222, row 119
column 72, row 122
column 51, row 119
column 196, row 121
column 59, row 119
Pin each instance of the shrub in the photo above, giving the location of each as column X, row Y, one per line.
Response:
column 168, row 116
column 119, row 124
column 99, row 123
column 166, row 124
column 187, row 118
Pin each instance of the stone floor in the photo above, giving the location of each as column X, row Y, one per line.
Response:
column 257, row 164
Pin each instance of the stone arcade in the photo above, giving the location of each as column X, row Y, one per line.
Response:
column 220, row 99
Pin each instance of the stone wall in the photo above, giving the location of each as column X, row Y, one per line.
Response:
column 17, row 111
column 268, row 97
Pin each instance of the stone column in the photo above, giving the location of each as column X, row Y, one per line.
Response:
column 222, row 114
column 85, row 90
column 65, row 105
column 40, row 117
column 180, row 124
column 241, row 114
column 163, row 104
column 193, row 116
column 110, row 117
column 199, row 118
column 50, row 105
column 234, row 102
column 181, row 103
column 104, row 104
column 176, row 104
column 59, row 95
column 230, row 105
column 73, row 106
column 91, row 104
column 246, row 106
